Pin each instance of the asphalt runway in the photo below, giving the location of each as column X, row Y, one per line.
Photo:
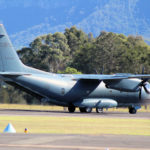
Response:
column 71, row 141
column 105, row 114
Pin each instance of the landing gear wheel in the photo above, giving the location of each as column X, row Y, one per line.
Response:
column 88, row 110
column 71, row 109
column 82, row 109
column 132, row 110
column 85, row 109
column 99, row 110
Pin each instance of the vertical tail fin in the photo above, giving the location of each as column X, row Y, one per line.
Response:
column 9, row 60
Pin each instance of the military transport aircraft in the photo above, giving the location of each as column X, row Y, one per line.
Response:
column 85, row 91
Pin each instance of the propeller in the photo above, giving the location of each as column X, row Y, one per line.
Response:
column 3, row 84
column 144, row 84
column 143, row 80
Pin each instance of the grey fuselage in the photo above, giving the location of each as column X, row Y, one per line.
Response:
column 63, row 90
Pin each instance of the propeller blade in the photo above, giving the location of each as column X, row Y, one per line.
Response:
column 140, row 92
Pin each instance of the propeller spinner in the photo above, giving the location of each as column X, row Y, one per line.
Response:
column 144, row 84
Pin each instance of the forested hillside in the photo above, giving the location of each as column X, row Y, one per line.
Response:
column 74, row 51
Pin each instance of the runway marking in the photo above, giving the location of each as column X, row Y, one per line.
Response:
column 69, row 147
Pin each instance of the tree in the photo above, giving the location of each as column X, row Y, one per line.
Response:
column 48, row 52
column 76, row 38
column 70, row 70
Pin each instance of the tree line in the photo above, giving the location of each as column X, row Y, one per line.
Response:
column 74, row 51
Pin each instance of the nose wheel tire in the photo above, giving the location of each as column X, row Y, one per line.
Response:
column 71, row 109
column 132, row 110
column 85, row 109
column 99, row 110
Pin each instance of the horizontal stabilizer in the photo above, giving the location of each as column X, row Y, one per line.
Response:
column 14, row 73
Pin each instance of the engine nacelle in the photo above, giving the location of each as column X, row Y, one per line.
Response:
column 97, row 103
column 126, row 85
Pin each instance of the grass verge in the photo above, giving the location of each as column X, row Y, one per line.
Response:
column 30, row 107
column 77, row 125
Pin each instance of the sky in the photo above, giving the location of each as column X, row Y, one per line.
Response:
column 24, row 20
column 20, row 14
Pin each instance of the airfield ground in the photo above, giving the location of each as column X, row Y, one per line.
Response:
column 57, row 108
column 73, row 142
column 51, row 129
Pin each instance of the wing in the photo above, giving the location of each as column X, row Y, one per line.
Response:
column 109, row 77
column 116, row 81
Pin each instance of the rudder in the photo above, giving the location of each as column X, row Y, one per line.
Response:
column 9, row 60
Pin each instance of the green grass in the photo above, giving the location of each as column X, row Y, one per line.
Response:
column 73, row 125
column 77, row 125
column 30, row 107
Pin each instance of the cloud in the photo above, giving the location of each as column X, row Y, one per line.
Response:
column 23, row 38
column 81, row 12
column 72, row 9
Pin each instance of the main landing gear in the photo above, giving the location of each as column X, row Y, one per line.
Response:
column 132, row 110
column 85, row 109
column 71, row 109
column 99, row 110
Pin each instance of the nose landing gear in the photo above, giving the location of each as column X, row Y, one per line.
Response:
column 132, row 110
